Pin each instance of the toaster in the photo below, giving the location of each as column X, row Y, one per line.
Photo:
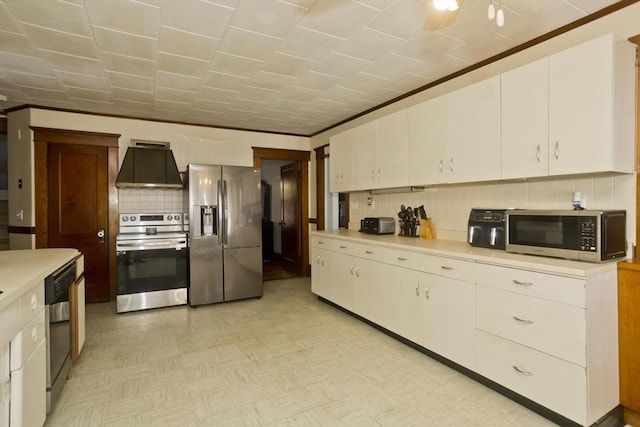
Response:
column 378, row 225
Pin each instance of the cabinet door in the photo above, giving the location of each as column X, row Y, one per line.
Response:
column 340, row 163
column 369, row 290
column 581, row 107
column 363, row 161
column 321, row 272
column 524, row 94
column 450, row 318
column 427, row 152
column 392, row 144
column 403, row 307
column 343, row 273
column 28, row 390
column 473, row 129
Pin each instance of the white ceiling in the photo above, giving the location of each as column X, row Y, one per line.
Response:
column 289, row 66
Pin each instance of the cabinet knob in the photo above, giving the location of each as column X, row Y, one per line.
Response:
column 556, row 152
column 34, row 302
column 445, row 267
column 538, row 153
column 357, row 271
column 351, row 270
column 426, row 291
column 522, row 283
column 451, row 164
column 441, row 165
column 34, row 334
column 417, row 289
column 523, row 320
column 322, row 261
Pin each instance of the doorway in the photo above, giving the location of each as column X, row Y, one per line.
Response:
column 76, row 201
column 296, row 163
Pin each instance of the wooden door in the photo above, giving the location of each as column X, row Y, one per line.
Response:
column 77, row 209
column 290, row 222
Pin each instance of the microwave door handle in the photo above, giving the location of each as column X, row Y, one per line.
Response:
column 472, row 232
column 493, row 236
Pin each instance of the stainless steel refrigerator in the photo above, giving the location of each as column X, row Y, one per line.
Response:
column 225, row 233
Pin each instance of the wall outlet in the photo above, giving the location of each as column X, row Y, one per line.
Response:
column 355, row 205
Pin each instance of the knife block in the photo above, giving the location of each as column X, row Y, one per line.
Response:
column 427, row 230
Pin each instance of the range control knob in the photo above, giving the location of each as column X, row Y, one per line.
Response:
column 125, row 218
column 169, row 217
column 176, row 217
column 133, row 217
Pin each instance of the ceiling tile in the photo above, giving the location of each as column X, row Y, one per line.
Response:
column 300, row 94
column 427, row 44
column 19, row 44
column 182, row 43
column 247, row 44
column 58, row 41
column 162, row 104
column 178, row 81
column 271, row 81
column 134, row 106
column 48, row 94
column 23, row 64
column 196, row 16
column 235, row 65
column 215, row 94
column 88, row 94
column 300, row 39
column 130, row 81
column 128, row 65
column 275, row 18
column 208, row 105
column 315, row 80
column 37, row 81
column 256, row 94
column 170, row 94
column 368, row 44
column 481, row 48
column 337, row 18
column 288, row 65
column 125, row 15
column 363, row 82
column 7, row 20
column 120, row 43
column 132, row 95
column 391, row 65
column 340, row 65
column 181, row 65
column 225, row 81
column 403, row 18
column 58, row 15
column 73, row 64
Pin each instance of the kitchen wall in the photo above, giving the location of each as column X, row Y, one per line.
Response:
column 449, row 205
column 190, row 144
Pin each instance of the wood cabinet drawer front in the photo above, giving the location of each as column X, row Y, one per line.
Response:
column 346, row 247
column 321, row 242
column 562, row 289
column 552, row 382
column 374, row 253
column 556, row 329
column 31, row 303
column 449, row 267
column 27, row 341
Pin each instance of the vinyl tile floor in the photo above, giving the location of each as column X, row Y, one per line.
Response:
column 286, row 359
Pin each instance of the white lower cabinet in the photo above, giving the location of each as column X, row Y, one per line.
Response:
column 450, row 318
column 550, row 337
column 552, row 382
column 403, row 305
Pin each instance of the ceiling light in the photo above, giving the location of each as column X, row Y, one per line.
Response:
column 491, row 13
column 446, row 4
column 3, row 98
column 500, row 18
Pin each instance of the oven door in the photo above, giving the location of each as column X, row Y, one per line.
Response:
column 149, row 270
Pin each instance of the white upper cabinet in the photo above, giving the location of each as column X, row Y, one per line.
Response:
column 592, row 108
column 392, row 143
column 473, row 132
column 525, row 120
column 340, row 162
column 427, row 151
column 363, row 145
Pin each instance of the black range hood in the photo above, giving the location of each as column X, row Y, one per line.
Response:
column 149, row 165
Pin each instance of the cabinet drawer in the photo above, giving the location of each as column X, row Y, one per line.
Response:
column 450, row 267
column 79, row 266
column 562, row 289
column 400, row 258
column 31, row 303
column 321, row 242
column 345, row 247
column 27, row 341
column 556, row 329
column 9, row 322
column 552, row 382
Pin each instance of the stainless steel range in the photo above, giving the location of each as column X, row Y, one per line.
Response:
column 153, row 261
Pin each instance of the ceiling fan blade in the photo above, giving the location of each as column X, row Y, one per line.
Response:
column 438, row 19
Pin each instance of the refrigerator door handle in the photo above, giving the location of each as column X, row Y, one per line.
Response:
column 225, row 217
column 219, row 216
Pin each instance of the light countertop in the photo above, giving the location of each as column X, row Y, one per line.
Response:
column 463, row 250
column 22, row 269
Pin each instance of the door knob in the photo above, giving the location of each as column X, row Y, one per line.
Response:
column 101, row 234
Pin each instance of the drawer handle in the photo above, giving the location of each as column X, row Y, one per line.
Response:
column 318, row 259
column 444, row 267
column 351, row 270
column 357, row 271
column 34, row 334
column 368, row 252
column 521, row 320
column 34, row 302
column 522, row 371
column 343, row 247
column 520, row 282
column 401, row 259
column 321, row 242
column 417, row 289
column 426, row 291
column 322, row 261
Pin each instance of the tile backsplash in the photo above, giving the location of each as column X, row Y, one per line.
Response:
column 143, row 200
column 449, row 205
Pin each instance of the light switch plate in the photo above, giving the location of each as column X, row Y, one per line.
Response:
column 355, row 205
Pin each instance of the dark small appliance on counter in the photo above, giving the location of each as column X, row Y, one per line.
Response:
column 583, row 235
column 487, row 228
column 378, row 225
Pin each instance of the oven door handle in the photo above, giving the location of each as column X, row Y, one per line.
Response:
column 141, row 245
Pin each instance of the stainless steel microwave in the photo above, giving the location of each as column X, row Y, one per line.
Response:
column 584, row 235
